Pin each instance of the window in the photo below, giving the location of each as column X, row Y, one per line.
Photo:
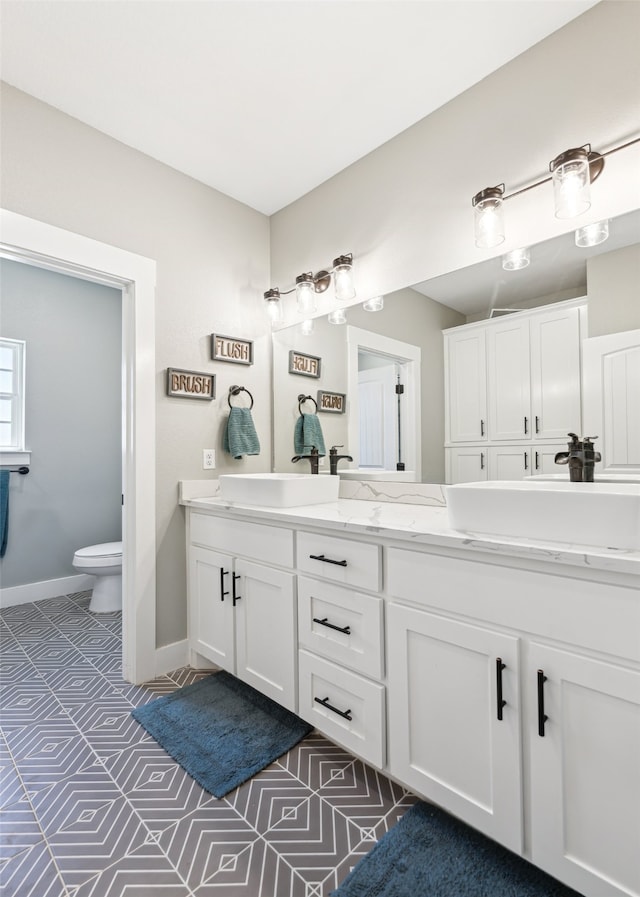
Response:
column 12, row 352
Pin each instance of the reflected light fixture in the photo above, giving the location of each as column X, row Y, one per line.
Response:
column 592, row 234
column 489, row 219
column 374, row 304
column 307, row 327
column 337, row 316
column 274, row 306
column 516, row 259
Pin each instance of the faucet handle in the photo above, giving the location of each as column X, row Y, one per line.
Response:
column 334, row 448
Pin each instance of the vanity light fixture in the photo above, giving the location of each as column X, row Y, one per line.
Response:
column 305, row 294
column 516, row 259
column 337, row 316
column 343, row 278
column 308, row 284
column 374, row 304
column 592, row 234
column 572, row 173
column 274, row 307
column 307, row 327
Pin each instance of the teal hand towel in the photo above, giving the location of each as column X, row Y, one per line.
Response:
column 4, row 510
column 307, row 433
column 240, row 437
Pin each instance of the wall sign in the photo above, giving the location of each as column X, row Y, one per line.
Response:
column 334, row 402
column 191, row 384
column 228, row 348
column 306, row 365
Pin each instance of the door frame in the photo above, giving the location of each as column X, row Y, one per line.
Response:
column 42, row 245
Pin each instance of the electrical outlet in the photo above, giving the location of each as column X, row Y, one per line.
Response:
column 208, row 459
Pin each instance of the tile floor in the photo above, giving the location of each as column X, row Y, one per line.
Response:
column 93, row 807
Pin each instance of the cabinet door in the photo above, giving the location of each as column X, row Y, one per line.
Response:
column 555, row 373
column 211, row 616
column 446, row 740
column 509, row 462
column 466, row 465
column 544, row 455
column 508, row 380
column 466, row 386
column 585, row 773
column 266, row 627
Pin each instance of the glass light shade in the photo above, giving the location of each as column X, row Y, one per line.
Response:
column 516, row 259
column 337, row 317
column 489, row 221
column 305, row 296
column 343, row 282
column 374, row 304
column 592, row 234
column 571, row 183
column 307, row 327
column 274, row 306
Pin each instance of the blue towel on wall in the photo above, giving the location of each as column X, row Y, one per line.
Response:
column 307, row 433
column 4, row 510
column 240, row 437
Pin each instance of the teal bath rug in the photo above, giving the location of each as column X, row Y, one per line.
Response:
column 221, row 731
column 431, row 854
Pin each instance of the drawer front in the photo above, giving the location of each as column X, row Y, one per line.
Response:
column 341, row 625
column 357, row 720
column 270, row 544
column 349, row 563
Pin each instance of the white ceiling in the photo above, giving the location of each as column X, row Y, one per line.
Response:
column 262, row 99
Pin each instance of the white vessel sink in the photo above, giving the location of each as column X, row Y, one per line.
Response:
column 279, row 490
column 603, row 514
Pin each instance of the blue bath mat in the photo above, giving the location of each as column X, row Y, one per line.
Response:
column 221, row 731
column 431, row 854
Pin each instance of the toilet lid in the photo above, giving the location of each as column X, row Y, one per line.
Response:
column 105, row 550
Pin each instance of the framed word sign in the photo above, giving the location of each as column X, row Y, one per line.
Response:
column 228, row 348
column 191, row 384
column 335, row 402
column 306, row 365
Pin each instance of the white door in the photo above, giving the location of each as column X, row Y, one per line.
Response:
column 466, row 465
column 378, row 405
column 211, row 616
column 451, row 737
column 585, row 772
column 466, row 386
column 266, row 625
column 509, row 462
column 555, row 373
column 508, row 379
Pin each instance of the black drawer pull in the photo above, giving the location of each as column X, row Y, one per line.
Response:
column 321, row 557
column 325, row 622
column 223, row 573
column 537, row 424
column 542, row 717
column 235, row 597
column 482, row 428
column 526, row 425
column 500, row 703
column 345, row 714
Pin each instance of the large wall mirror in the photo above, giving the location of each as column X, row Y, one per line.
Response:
column 389, row 364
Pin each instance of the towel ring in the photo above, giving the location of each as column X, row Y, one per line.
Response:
column 236, row 390
column 302, row 398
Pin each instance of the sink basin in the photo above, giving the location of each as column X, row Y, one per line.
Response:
column 603, row 514
column 279, row 490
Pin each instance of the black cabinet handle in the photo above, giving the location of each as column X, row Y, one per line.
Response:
column 481, row 460
column 235, row 597
column 526, row 461
column 526, row 425
column 345, row 714
column 325, row 622
column 321, row 557
column 542, row 717
column 223, row 573
column 537, row 460
column 482, row 428
column 500, row 703
column 537, row 424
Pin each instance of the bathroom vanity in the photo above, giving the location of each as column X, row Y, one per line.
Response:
column 497, row 678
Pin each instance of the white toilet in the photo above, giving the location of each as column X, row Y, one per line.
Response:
column 105, row 563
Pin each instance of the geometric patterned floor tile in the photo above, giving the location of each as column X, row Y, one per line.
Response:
column 11, row 788
column 256, row 870
column 109, row 732
column 74, row 799
column 47, row 751
column 187, row 676
column 316, row 761
column 27, row 701
column 266, row 798
column 32, row 873
column 146, row 873
column 19, row 829
column 361, row 793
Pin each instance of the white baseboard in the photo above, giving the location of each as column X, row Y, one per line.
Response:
column 172, row 657
column 48, row 588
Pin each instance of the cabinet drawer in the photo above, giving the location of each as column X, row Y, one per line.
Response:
column 341, row 560
column 270, row 544
column 326, row 611
column 362, row 700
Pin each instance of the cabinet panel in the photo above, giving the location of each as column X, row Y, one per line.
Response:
column 344, row 561
column 585, row 806
column 508, row 380
column 326, row 611
column 466, row 384
column 543, row 460
column 266, row 631
column 261, row 542
column 446, row 739
column 466, row 465
column 555, row 369
column 509, row 462
column 211, row 615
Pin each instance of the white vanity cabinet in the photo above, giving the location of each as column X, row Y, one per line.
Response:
column 242, row 612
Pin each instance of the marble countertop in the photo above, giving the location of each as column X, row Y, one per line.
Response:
column 425, row 525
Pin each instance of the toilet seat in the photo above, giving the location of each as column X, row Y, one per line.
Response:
column 107, row 554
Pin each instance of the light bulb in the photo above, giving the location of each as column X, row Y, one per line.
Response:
column 305, row 294
column 274, row 306
column 489, row 218
column 592, row 234
column 374, row 304
column 337, row 317
column 343, row 278
column 571, row 183
column 307, row 327
column 516, row 259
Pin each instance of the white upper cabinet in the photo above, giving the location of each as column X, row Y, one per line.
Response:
column 555, row 373
column 466, row 386
column 509, row 379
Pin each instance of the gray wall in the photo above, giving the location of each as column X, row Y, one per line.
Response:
column 212, row 261
column 71, row 496
column 613, row 281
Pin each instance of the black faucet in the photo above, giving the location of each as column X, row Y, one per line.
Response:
column 334, row 457
column 313, row 458
column 581, row 458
